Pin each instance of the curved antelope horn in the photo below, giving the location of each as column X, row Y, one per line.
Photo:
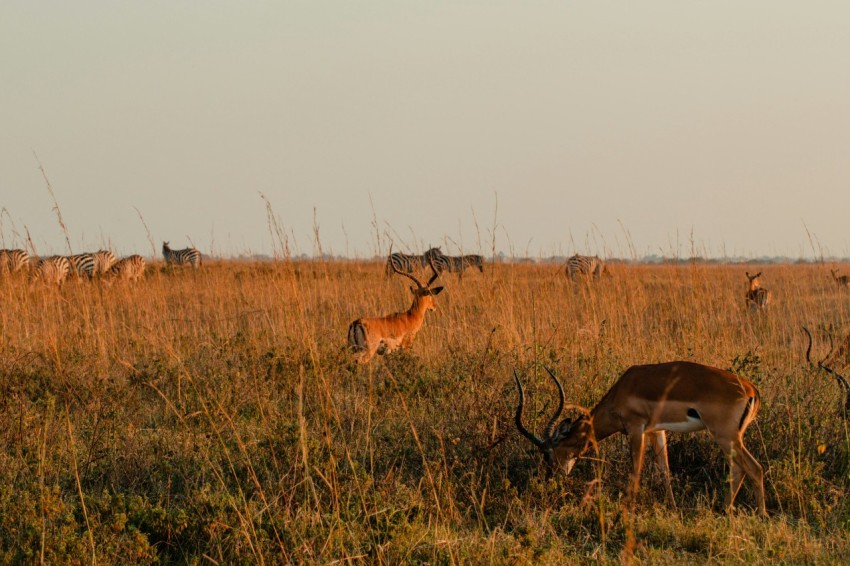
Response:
column 433, row 268
column 748, row 274
column 809, row 348
column 842, row 381
column 408, row 275
column 548, row 430
column 518, row 419
column 831, row 348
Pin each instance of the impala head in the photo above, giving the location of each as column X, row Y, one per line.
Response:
column 563, row 444
column 755, row 282
column 423, row 294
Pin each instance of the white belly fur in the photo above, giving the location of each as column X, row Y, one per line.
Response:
column 688, row 425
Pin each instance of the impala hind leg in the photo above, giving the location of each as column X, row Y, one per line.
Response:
column 743, row 464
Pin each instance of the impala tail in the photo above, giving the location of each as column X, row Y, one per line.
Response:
column 357, row 337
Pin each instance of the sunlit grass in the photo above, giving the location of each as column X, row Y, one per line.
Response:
column 215, row 415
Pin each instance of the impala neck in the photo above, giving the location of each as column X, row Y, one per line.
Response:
column 605, row 423
column 419, row 307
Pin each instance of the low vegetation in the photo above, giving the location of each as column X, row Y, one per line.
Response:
column 215, row 416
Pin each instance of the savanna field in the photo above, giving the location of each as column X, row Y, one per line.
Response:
column 214, row 416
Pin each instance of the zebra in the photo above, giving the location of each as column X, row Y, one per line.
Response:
column 103, row 261
column 406, row 263
column 757, row 296
column 130, row 268
column 12, row 261
column 82, row 265
column 586, row 266
column 458, row 263
column 51, row 270
column 187, row 256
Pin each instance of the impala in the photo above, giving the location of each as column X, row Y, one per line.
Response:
column 842, row 381
column 645, row 403
column 370, row 336
column 757, row 296
column 843, row 281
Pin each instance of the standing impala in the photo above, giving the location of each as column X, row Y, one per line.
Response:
column 368, row 336
column 645, row 403
column 843, row 281
column 757, row 296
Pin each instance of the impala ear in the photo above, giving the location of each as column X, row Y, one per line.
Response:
column 437, row 291
column 563, row 429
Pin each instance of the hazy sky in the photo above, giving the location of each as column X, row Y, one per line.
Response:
column 574, row 126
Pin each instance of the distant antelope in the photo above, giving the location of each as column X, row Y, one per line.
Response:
column 130, row 268
column 587, row 266
column 186, row 256
column 12, row 261
column 843, row 281
column 370, row 336
column 757, row 296
column 644, row 403
column 51, row 270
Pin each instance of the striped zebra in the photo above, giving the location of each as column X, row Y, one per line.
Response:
column 458, row 263
column 52, row 270
column 12, row 261
column 103, row 261
column 407, row 263
column 186, row 256
column 130, row 268
column 89, row 265
column 585, row 266
column 757, row 296
column 82, row 265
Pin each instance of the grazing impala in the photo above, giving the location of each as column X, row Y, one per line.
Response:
column 843, row 281
column 646, row 402
column 368, row 336
column 757, row 296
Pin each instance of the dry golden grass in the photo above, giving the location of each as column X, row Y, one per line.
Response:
column 215, row 415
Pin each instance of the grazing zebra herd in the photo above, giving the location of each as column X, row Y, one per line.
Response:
column 407, row 263
column 403, row 263
column 102, row 264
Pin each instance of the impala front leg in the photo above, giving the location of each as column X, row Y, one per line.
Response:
column 636, row 440
column 407, row 341
column 660, row 447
